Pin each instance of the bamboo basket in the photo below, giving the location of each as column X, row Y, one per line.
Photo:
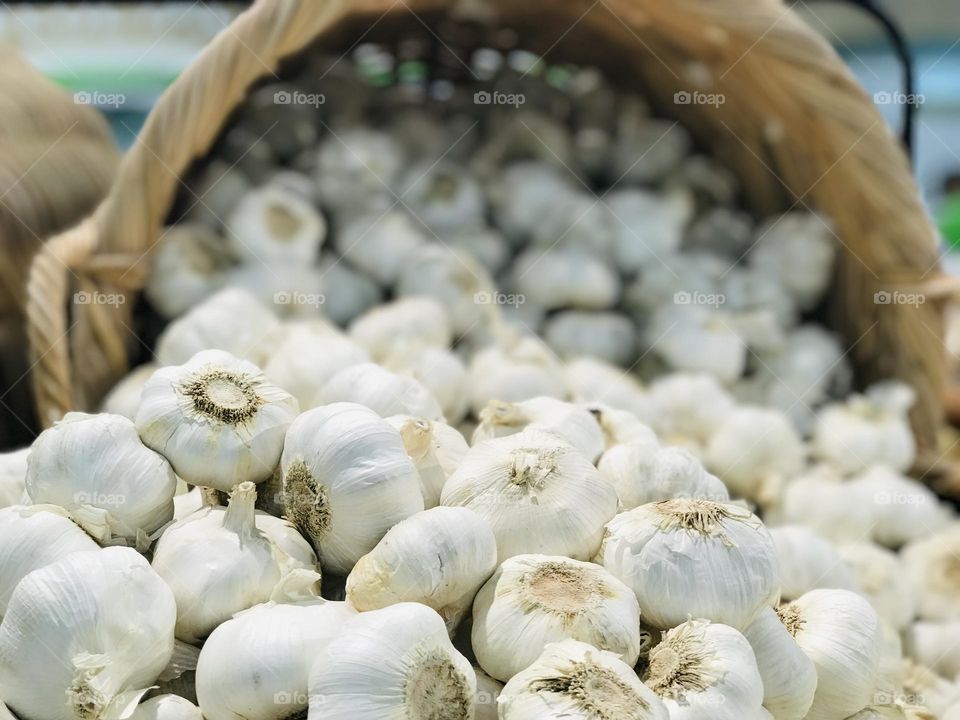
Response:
column 795, row 125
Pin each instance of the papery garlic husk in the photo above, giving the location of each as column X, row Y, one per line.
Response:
column 576, row 681
column 841, row 634
column 695, row 338
column 593, row 381
column 218, row 561
column 534, row 600
column 186, row 266
column 564, row 277
column 124, row 398
column 643, row 472
column 608, row 336
column 187, row 502
column 881, row 580
column 936, row 645
column 439, row 558
column 420, row 320
column 381, row 244
column 96, row 468
column 439, row 370
column 808, row 562
column 570, row 422
column 516, row 370
column 435, row 448
column 789, row 676
column 706, row 670
column 232, row 320
column 347, row 479
column 166, row 707
column 754, row 452
column 933, row 567
column 273, row 224
column 257, row 664
column 217, row 419
column 392, row 663
column 32, row 537
column 85, row 636
column 693, row 558
column 621, row 427
column 289, row 289
column 382, row 391
column 690, row 405
column 828, row 505
column 539, row 494
column 347, row 292
column 921, row 685
column 488, row 694
column 13, row 477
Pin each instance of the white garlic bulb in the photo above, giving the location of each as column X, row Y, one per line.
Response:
column 880, row 579
column 382, row 391
column 746, row 290
column 272, row 224
column 649, row 226
column 486, row 244
column 841, row 634
column 573, row 680
column 525, row 192
column 621, row 427
column 789, row 676
column 706, row 670
column 579, row 220
column 488, row 695
column 290, row 289
column 395, row 662
column 695, row 338
column 232, row 320
column 564, row 277
column 420, row 320
column 187, row 265
column 932, row 566
column 807, row 562
column 570, row 422
column 693, row 558
column 513, row 371
column 439, row 557
column 690, row 405
column 347, row 479
column 798, row 250
column 643, row 472
column 538, row 493
column 921, row 685
column 357, row 167
column 443, row 196
column 608, row 336
column 257, row 664
column 218, row 562
column 903, row 509
column 59, row 659
column 439, row 370
column 676, row 276
column 347, row 293
column 217, row 419
column 593, row 381
column 435, row 448
column 124, row 398
column 186, row 503
column 831, row 507
column 13, row 477
column 534, row 600
column 166, row 707
column 935, row 644
column 381, row 244
column 96, row 468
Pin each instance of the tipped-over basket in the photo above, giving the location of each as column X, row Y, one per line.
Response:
column 795, row 125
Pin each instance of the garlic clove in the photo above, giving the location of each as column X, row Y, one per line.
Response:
column 435, row 448
column 789, row 676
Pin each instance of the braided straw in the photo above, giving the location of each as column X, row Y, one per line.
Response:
column 795, row 125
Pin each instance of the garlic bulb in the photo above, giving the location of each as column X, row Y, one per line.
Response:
column 124, row 398
column 347, row 479
column 272, row 224
column 439, row 370
column 257, row 664
column 807, row 562
column 218, row 562
column 685, row 272
column 32, row 537
column 488, row 695
column 484, row 243
column 166, row 707
column 382, row 391
column 621, row 427
column 789, row 676
column 443, row 197
column 832, row 508
column 841, row 634
column 643, row 472
column 649, row 226
column 798, row 250
column 904, row 509
column 347, row 293
column 706, row 670
column 217, row 419
column 936, row 645
column 578, row 221
column 392, row 663
column 289, row 289
column 693, row 558
column 573, row 680
column 694, row 338
column 186, row 503
column 96, row 468
column 357, row 167
column 932, row 565
column 754, row 452
column 921, row 684
column 187, row 265
column 534, row 600
column 380, row 244
column 594, row 381
column 569, row 422
column 745, row 290
column 232, row 320
column 692, row 405
column 539, row 494
column 13, row 477
column 59, row 659
column 514, row 371
column 564, row 277
column 608, row 336
column 439, row 558
column 435, row 448
column 880, row 579
column 419, row 320
column 525, row 193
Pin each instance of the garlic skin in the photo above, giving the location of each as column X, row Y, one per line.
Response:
column 439, row 370
column 571, row 679
column 936, row 645
column 593, row 381
column 538, row 493
column 841, row 634
column 643, row 472
column 608, row 336
column 218, row 562
column 392, row 663
column 534, row 600
column 59, row 660
column 166, row 707
column 217, row 419
column 931, row 566
column 382, row 391
column 347, row 479
column 232, row 320
column 789, row 676
column 124, row 398
column 706, row 670
column 808, row 562
column 564, row 277
column 567, row 421
column 32, row 537
column 439, row 558
column 419, row 320
column 516, row 370
column 256, row 665
column 435, row 448
column 272, row 224
column 13, row 477
column 904, row 509
column 380, row 244
column 96, row 468
column 186, row 266
column 881, row 580
column 691, row 405
column 693, row 558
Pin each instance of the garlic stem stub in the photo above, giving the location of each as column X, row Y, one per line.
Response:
column 435, row 448
column 217, row 419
